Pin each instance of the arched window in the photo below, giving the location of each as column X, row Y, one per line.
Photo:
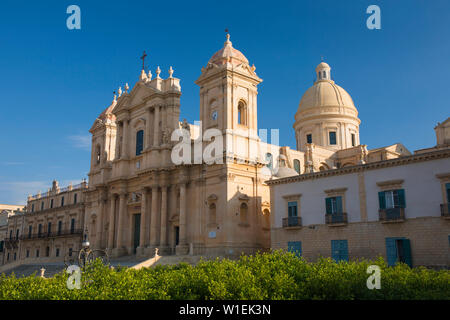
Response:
column 139, row 142
column 324, row 74
column 97, row 154
column 297, row 165
column 269, row 160
column 212, row 213
column 242, row 113
column 243, row 213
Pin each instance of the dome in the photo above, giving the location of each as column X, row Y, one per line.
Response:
column 228, row 54
column 324, row 92
column 284, row 172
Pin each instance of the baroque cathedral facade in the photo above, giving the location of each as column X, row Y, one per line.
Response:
column 137, row 199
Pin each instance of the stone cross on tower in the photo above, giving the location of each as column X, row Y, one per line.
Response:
column 143, row 60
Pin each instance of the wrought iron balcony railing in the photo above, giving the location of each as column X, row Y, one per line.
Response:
column 392, row 214
column 336, row 218
column 292, row 222
column 11, row 243
column 51, row 234
column 445, row 210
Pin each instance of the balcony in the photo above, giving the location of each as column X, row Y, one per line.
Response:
column 392, row 215
column 292, row 222
column 336, row 219
column 11, row 243
column 445, row 210
column 56, row 233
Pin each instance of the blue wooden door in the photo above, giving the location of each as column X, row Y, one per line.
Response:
column 339, row 250
column 398, row 250
column 295, row 247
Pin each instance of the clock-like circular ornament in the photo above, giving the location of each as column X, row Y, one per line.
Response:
column 214, row 115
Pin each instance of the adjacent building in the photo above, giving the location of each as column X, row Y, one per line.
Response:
column 6, row 211
column 395, row 208
column 49, row 227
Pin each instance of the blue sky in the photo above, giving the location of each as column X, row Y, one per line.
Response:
column 56, row 81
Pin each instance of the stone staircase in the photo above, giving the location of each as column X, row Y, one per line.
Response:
column 26, row 270
column 134, row 262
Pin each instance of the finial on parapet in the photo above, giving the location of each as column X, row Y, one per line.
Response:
column 115, row 97
column 170, row 72
column 143, row 76
column 119, row 91
column 149, row 76
column 158, row 71
column 127, row 87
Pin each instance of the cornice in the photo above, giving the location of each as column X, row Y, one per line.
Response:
column 364, row 167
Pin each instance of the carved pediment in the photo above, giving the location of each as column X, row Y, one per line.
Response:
column 265, row 204
column 244, row 197
column 212, row 197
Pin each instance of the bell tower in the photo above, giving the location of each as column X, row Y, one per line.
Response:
column 228, row 98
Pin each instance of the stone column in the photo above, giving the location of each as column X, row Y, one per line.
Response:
column 147, row 130
column 125, row 145
column 111, row 222
column 163, row 235
column 99, row 226
column 120, row 226
column 118, row 134
column 154, row 218
column 143, row 218
column 156, row 127
column 182, row 239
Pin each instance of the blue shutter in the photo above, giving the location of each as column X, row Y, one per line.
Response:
column 407, row 252
column 292, row 209
column 328, row 205
column 344, row 250
column 335, row 250
column 447, row 187
column 339, row 205
column 391, row 251
column 401, row 198
column 295, row 247
column 382, row 200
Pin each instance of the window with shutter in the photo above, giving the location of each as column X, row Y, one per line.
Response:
column 292, row 209
column 333, row 205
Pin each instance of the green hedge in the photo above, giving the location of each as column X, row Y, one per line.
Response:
column 276, row 275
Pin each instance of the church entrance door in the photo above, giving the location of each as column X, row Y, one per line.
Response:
column 137, row 231
column 177, row 235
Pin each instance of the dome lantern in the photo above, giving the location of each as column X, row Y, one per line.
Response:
column 323, row 71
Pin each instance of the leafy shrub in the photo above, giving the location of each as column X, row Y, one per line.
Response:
column 276, row 275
